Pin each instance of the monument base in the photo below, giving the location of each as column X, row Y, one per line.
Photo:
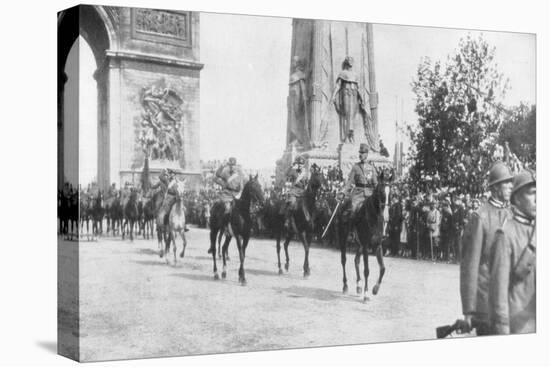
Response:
column 344, row 157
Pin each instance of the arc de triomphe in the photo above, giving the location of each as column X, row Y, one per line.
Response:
column 148, row 89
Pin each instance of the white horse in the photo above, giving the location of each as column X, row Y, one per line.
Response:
column 176, row 223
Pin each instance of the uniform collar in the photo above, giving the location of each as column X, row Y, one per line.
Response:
column 521, row 217
column 497, row 203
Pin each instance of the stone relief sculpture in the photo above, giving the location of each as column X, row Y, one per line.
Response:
column 299, row 129
column 161, row 122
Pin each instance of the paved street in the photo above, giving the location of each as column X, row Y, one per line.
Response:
column 132, row 304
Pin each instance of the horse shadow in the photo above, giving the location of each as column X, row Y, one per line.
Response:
column 202, row 278
column 318, row 294
column 159, row 262
column 262, row 272
column 147, row 251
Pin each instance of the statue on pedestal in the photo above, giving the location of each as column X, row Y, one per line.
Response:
column 298, row 122
column 347, row 100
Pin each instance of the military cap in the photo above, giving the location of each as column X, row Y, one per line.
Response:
column 499, row 172
column 299, row 160
column 232, row 161
column 522, row 179
column 363, row 148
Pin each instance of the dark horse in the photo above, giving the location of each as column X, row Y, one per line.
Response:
column 116, row 213
column 303, row 228
column 98, row 212
column 239, row 225
column 130, row 214
column 370, row 227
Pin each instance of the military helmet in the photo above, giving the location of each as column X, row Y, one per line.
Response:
column 299, row 160
column 522, row 179
column 363, row 148
column 232, row 161
column 499, row 172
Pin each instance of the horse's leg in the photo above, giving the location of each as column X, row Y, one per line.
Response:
column 213, row 236
column 364, row 245
column 304, row 239
column 220, row 236
column 278, row 241
column 159, row 240
column 224, row 255
column 357, row 261
column 167, row 240
column 285, row 245
column 242, row 278
column 343, row 242
column 184, row 243
column 131, row 225
column 380, row 259
column 174, row 247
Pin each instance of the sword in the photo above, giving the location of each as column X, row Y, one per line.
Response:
column 331, row 218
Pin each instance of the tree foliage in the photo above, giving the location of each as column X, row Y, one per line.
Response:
column 519, row 132
column 459, row 105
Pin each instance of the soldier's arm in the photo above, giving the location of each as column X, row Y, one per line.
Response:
column 472, row 243
column 350, row 181
column 218, row 177
column 500, row 268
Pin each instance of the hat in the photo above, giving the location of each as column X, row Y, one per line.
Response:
column 499, row 172
column 299, row 160
column 522, row 179
column 232, row 161
column 363, row 148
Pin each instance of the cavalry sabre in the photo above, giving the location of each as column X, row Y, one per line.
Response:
column 331, row 218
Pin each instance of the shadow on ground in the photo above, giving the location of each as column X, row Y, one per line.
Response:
column 50, row 346
column 147, row 251
column 319, row 294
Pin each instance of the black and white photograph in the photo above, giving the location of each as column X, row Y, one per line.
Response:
column 232, row 183
column 248, row 183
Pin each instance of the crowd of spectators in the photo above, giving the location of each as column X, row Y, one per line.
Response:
column 424, row 222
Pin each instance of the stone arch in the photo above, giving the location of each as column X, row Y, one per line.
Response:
column 136, row 49
column 95, row 26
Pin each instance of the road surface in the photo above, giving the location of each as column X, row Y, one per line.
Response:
column 132, row 304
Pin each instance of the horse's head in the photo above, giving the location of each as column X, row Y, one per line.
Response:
column 317, row 180
column 382, row 192
column 180, row 189
column 254, row 189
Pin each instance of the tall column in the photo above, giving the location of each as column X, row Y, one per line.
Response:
column 316, row 93
column 61, row 80
column 113, row 114
column 102, row 78
column 373, row 97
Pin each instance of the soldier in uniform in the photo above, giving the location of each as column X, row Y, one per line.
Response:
column 168, row 185
column 512, row 290
column 230, row 178
column 296, row 178
column 476, row 244
column 361, row 182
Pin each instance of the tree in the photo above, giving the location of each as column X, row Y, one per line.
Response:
column 519, row 131
column 460, row 114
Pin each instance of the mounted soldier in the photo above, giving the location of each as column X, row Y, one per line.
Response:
column 296, row 180
column 477, row 246
column 167, row 184
column 361, row 182
column 230, row 178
